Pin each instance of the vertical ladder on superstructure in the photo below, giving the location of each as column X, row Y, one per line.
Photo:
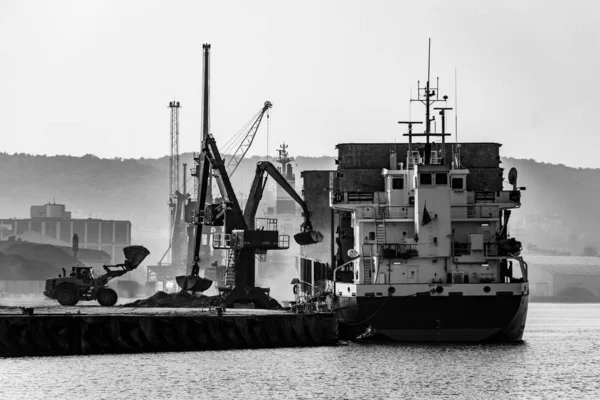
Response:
column 368, row 268
column 380, row 239
column 380, row 227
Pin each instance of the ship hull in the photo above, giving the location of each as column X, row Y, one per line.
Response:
column 434, row 318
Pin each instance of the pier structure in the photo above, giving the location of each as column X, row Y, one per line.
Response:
column 126, row 330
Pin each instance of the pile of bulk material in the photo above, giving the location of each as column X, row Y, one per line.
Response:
column 185, row 299
column 55, row 255
column 176, row 300
column 32, row 261
column 16, row 267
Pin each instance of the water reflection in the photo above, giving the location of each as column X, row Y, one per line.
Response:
column 559, row 358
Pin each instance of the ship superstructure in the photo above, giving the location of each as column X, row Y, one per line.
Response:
column 431, row 253
column 423, row 250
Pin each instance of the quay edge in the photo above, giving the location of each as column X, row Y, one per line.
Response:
column 78, row 334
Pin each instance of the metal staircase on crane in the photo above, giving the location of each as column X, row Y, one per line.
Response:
column 230, row 271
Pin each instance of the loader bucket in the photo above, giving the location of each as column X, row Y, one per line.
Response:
column 135, row 255
column 311, row 237
column 193, row 283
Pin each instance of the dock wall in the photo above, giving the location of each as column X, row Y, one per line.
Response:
column 22, row 335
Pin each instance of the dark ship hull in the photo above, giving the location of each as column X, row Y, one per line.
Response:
column 434, row 319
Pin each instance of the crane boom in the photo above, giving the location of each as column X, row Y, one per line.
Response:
column 244, row 144
column 216, row 161
column 210, row 158
column 245, row 240
column 307, row 235
column 240, row 152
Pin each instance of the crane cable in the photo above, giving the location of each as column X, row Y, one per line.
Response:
column 268, row 130
column 234, row 141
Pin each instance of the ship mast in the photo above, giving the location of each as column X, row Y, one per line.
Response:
column 427, row 96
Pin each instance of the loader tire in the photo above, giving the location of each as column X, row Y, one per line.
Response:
column 67, row 295
column 107, row 297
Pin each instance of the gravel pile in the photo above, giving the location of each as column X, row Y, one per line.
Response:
column 176, row 300
column 184, row 299
column 36, row 251
column 16, row 267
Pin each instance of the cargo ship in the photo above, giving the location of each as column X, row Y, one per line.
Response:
column 421, row 242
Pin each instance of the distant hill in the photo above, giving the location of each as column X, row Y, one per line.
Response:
column 559, row 205
column 129, row 189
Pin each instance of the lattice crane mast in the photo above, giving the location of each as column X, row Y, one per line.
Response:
column 246, row 142
column 173, row 168
column 240, row 143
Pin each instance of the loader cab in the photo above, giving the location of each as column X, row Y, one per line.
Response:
column 84, row 273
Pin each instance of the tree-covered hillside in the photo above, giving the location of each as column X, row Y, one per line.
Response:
column 559, row 205
column 129, row 189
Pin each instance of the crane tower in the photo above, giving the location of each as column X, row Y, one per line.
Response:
column 174, row 160
column 173, row 165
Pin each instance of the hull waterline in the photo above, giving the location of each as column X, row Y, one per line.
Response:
column 434, row 319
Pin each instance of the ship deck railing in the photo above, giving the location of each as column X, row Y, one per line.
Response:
column 390, row 250
column 339, row 197
column 380, row 212
column 397, row 250
column 464, row 249
column 475, row 211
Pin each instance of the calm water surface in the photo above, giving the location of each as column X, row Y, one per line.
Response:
column 559, row 359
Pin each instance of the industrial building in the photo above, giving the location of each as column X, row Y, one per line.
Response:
column 566, row 278
column 52, row 224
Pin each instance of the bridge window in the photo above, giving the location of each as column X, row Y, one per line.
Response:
column 441, row 178
column 425, row 179
column 457, row 183
column 397, row 183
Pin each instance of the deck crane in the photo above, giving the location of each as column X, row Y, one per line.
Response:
column 242, row 239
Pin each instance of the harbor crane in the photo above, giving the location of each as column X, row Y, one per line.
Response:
column 180, row 205
column 242, row 238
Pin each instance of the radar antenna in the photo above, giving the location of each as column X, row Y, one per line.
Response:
column 427, row 96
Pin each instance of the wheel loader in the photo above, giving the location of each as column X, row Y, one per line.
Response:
column 81, row 284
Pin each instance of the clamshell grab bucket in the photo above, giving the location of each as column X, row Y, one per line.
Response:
column 193, row 283
column 306, row 238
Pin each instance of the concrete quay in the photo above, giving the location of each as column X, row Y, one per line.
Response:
column 97, row 330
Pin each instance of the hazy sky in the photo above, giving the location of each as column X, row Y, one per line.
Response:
column 96, row 77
